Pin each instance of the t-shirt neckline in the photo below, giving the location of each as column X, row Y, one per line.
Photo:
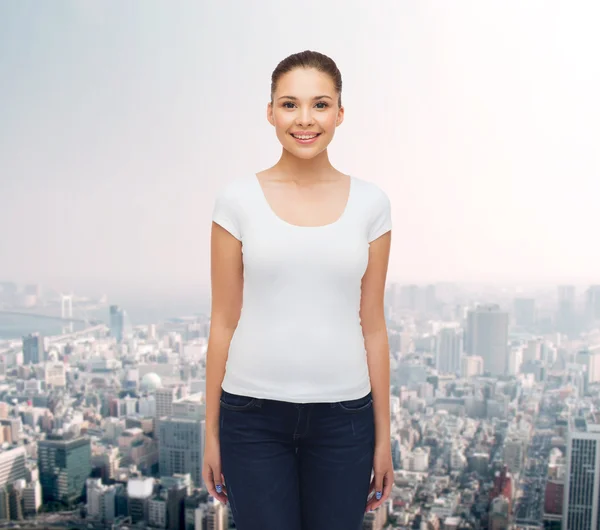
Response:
column 302, row 227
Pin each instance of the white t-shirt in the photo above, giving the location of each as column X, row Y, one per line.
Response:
column 299, row 337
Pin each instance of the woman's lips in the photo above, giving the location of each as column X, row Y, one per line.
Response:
column 305, row 138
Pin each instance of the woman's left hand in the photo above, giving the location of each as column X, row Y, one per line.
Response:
column 383, row 478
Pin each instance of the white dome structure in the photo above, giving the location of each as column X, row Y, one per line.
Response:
column 150, row 382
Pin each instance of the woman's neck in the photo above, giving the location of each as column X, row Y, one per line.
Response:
column 290, row 167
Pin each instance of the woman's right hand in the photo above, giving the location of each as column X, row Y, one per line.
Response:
column 211, row 469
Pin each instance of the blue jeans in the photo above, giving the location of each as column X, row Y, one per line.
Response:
column 296, row 466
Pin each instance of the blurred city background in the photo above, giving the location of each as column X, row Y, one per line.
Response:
column 119, row 122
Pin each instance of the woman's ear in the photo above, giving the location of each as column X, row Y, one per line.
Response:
column 340, row 117
column 270, row 114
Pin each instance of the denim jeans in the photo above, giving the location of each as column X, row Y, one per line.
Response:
column 291, row 466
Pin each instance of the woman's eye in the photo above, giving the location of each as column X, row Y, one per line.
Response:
column 289, row 105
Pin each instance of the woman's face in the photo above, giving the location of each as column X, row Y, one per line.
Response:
column 305, row 112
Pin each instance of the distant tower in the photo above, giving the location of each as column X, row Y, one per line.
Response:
column 117, row 322
column 66, row 311
column 566, row 317
column 487, row 336
column 33, row 349
column 449, row 346
column 592, row 304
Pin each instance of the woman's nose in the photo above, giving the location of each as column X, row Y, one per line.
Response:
column 304, row 117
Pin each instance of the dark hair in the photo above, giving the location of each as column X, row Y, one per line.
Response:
column 308, row 59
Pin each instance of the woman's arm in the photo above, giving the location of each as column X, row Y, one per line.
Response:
column 372, row 316
column 227, row 287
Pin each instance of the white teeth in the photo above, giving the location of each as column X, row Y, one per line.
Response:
column 304, row 137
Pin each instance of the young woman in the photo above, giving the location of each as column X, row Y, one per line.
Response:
column 297, row 380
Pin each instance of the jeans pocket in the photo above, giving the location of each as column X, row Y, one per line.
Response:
column 357, row 405
column 236, row 402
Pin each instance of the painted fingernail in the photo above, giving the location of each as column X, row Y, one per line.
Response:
column 219, row 488
column 378, row 495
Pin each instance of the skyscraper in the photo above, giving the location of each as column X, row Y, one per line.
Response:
column 117, row 322
column 64, row 464
column 566, row 317
column 592, row 304
column 181, row 439
column 487, row 336
column 166, row 396
column 590, row 358
column 449, row 350
column 582, row 484
column 33, row 349
column 12, row 465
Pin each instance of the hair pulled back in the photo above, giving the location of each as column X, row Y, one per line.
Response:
column 308, row 59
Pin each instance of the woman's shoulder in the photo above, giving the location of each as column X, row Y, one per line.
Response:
column 369, row 191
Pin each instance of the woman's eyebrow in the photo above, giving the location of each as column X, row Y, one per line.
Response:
column 295, row 98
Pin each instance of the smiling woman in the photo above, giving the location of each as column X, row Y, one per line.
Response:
column 297, row 389
column 297, row 113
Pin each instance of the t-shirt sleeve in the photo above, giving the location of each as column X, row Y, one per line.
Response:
column 381, row 218
column 226, row 213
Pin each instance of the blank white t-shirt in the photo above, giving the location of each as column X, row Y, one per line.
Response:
column 299, row 337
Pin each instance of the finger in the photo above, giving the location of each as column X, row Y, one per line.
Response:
column 383, row 486
column 220, row 485
column 215, row 487
column 379, row 485
column 208, row 480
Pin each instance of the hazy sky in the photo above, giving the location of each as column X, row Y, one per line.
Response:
column 119, row 121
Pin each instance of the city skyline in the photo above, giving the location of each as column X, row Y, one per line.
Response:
column 118, row 127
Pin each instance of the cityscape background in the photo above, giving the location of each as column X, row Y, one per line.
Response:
column 119, row 124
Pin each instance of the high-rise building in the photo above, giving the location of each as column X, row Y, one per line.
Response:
column 64, row 464
column 515, row 360
column 15, row 499
column 4, row 504
column 32, row 498
column 116, row 322
column 449, row 350
column 487, row 336
column 164, row 400
column 216, row 516
column 176, row 495
column 566, row 317
column 33, row 349
column 592, row 304
column 139, row 493
column 181, row 439
column 589, row 357
column 12, row 465
column 582, row 483
column 195, row 507
column 157, row 511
